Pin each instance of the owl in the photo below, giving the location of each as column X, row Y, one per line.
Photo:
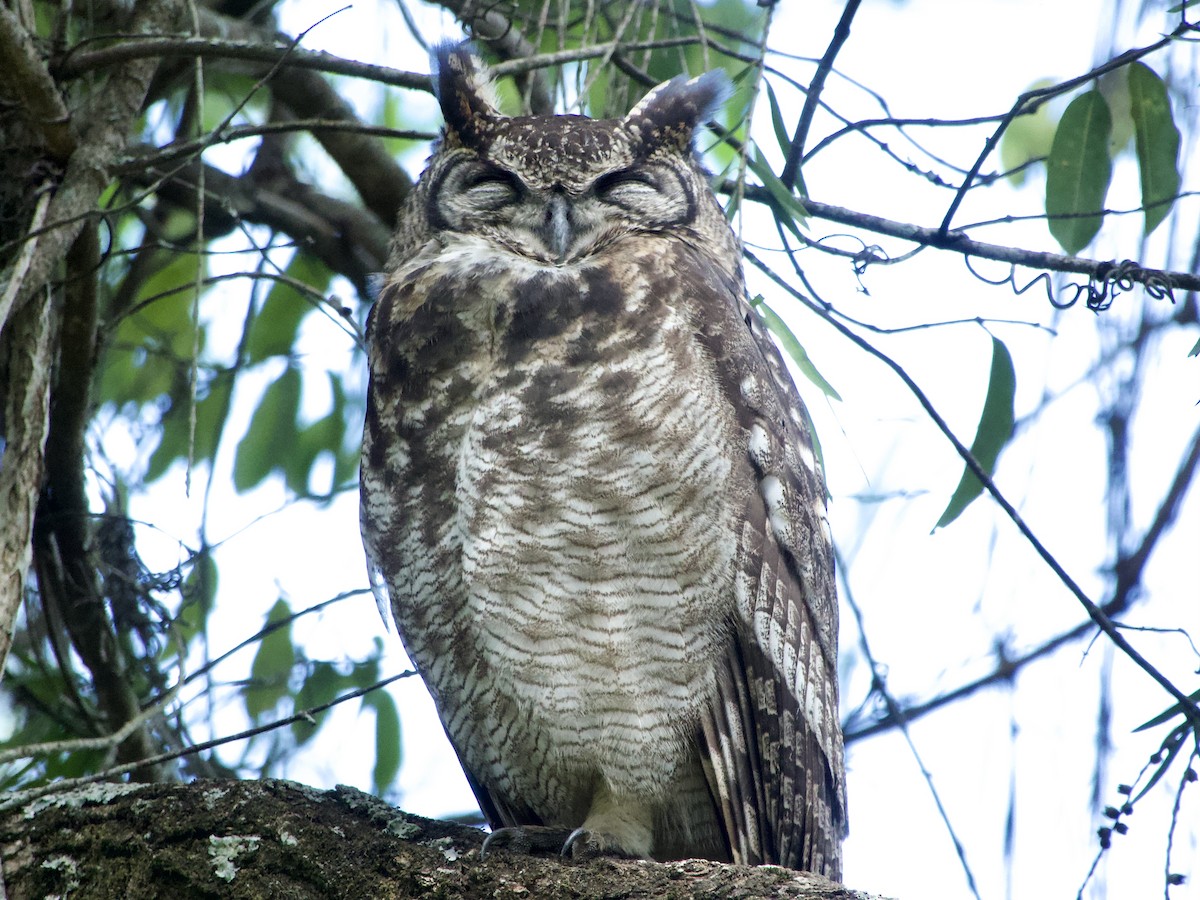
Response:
column 589, row 492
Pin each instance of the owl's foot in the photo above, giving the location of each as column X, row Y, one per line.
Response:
column 526, row 839
column 613, row 827
column 583, row 843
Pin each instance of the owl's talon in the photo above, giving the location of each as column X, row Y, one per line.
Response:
column 487, row 843
column 585, row 843
column 571, row 839
column 524, row 839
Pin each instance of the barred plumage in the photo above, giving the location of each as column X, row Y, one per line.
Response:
column 589, row 489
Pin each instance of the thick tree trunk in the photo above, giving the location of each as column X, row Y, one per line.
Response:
column 266, row 839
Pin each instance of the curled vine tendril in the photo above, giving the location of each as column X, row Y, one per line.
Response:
column 1103, row 286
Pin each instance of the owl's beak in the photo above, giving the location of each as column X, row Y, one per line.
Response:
column 555, row 230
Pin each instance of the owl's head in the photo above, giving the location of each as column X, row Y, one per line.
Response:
column 557, row 189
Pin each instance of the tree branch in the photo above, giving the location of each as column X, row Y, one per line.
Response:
column 26, row 365
column 346, row 237
column 67, row 574
column 106, row 118
column 29, row 86
column 1129, row 570
column 1189, row 707
column 275, row 838
column 958, row 242
column 1031, row 100
column 791, row 166
column 379, row 180
column 75, row 63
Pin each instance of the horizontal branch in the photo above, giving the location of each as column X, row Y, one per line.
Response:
column 181, row 149
column 959, row 242
column 344, row 236
column 75, row 63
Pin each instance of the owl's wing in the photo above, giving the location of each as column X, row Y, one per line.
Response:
column 772, row 740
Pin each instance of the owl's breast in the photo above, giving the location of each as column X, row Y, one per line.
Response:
column 598, row 526
column 594, row 446
column 570, row 455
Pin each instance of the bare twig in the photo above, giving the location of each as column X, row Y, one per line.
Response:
column 958, row 242
column 899, row 717
column 1031, row 100
column 78, row 62
column 791, row 167
column 182, row 149
column 20, row 798
column 1097, row 615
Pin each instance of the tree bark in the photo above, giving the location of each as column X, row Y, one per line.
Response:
column 281, row 839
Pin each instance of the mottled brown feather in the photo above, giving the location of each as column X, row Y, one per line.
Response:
column 589, row 492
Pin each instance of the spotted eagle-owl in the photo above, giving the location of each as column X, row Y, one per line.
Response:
column 589, row 488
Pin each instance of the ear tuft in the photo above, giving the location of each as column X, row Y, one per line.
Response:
column 670, row 113
column 464, row 92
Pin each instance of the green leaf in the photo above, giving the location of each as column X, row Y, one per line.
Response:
column 321, row 686
column 1167, row 751
column 788, row 207
column 793, row 347
column 151, row 344
column 387, row 739
column 224, row 91
column 1028, row 137
column 271, row 436
column 131, row 373
column 1169, row 713
column 1078, row 172
column 1195, row 351
column 163, row 307
column 326, row 435
column 274, row 328
column 1157, row 142
column 272, row 666
column 1115, row 88
column 211, row 410
column 995, row 430
column 781, row 132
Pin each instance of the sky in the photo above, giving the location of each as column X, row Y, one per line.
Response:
column 932, row 603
